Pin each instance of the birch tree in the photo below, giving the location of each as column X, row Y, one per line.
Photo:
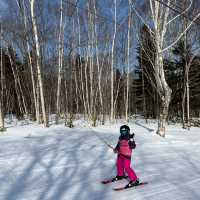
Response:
column 112, row 62
column 2, row 82
column 161, row 18
column 90, row 64
column 128, row 63
column 22, row 8
column 188, row 59
column 81, row 63
column 99, row 68
column 38, row 63
column 60, row 60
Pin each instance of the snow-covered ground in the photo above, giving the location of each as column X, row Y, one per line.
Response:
column 60, row 163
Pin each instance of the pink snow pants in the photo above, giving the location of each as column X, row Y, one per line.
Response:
column 123, row 165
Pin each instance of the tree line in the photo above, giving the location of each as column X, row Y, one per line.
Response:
column 65, row 59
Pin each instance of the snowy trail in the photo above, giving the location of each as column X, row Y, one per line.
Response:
column 59, row 163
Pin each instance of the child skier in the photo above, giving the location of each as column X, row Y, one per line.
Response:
column 124, row 150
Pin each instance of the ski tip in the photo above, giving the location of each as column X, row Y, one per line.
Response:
column 143, row 183
column 119, row 189
column 106, row 182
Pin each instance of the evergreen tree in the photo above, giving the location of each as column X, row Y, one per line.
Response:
column 144, row 85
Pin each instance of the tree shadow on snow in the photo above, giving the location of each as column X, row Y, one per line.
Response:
column 61, row 167
column 143, row 126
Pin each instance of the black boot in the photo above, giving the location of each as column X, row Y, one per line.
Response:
column 132, row 183
column 117, row 178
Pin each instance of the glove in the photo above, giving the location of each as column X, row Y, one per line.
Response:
column 132, row 144
column 132, row 135
column 115, row 150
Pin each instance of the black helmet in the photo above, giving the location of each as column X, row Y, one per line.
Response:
column 124, row 130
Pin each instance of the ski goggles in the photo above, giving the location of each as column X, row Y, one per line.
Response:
column 124, row 131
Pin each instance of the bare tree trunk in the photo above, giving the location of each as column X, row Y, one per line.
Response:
column 185, row 76
column 165, row 93
column 188, row 98
column 66, row 98
column 1, row 84
column 128, row 64
column 76, row 86
column 143, row 93
column 37, row 112
column 92, row 71
column 186, row 79
column 75, row 71
column 39, row 120
column 116, row 96
column 183, row 103
column 98, row 66
column 160, row 16
column 90, row 64
column 1, row 117
column 81, row 66
column 38, row 61
column 185, row 98
column 112, row 64
column 21, row 6
column 60, row 61
column 15, row 81
column 88, row 69
column 22, row 93
column 86, row 86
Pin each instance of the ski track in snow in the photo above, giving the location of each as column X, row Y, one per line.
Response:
column 59, row 163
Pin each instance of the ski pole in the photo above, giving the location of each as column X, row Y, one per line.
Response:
column 110, row 146
column 101, row 139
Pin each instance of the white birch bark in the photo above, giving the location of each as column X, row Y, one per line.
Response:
column 92, row 90
column 60, row 61
column 1, row 117
column 160, row 20
column 81, row 65
column 38, row 63
column 188, row 98
column 160, row 17
column 22, row 9
column 90, row 65
column 186, row 95
column 87, row 65
column 1, row 83
column 186, row 92
column 37, row 111
column 75, row 71
column 22, row 94
column 112, row 62
column 128, row 64
column 99, row 68
column 143, row 89
column 15, row 81
column 86, row 84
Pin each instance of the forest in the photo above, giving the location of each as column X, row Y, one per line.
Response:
column 104, row 60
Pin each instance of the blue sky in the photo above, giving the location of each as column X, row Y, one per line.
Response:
column 106, row 11
column 3, row 7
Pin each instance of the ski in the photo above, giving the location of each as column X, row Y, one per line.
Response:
column 125, row 188
column 111, row 180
